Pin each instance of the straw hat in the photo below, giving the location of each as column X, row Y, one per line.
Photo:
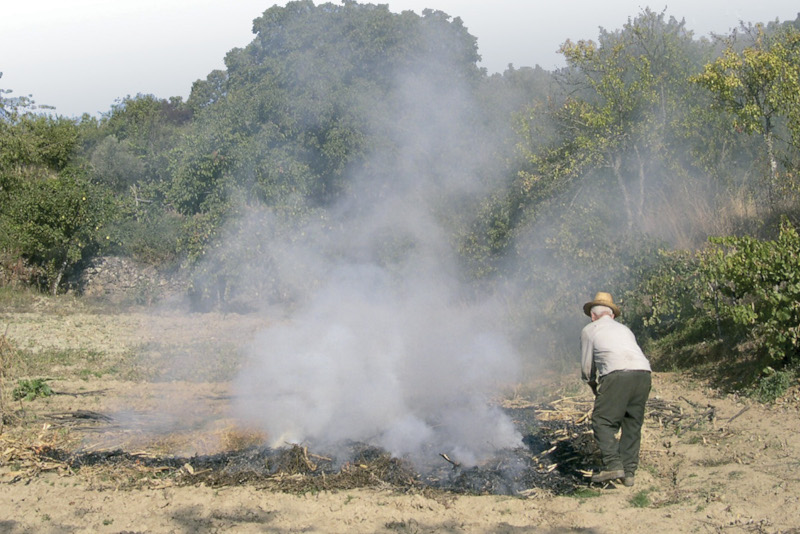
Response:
column 601, row 299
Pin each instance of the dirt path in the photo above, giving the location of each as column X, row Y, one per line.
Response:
column 738, row 473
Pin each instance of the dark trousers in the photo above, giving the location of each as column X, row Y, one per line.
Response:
column 620, row 402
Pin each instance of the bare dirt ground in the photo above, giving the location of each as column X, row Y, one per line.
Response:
column 735, row 471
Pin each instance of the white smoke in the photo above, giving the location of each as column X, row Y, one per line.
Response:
column 385, row 348
column 404, row 368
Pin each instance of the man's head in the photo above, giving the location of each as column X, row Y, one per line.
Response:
column 601, row 299
column 599, row 311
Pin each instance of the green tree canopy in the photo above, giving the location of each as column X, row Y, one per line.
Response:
column 760, row 86
column 295, row 111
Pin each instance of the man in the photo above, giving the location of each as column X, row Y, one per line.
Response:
column 619, row 374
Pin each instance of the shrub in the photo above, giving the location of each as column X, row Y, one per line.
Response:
column 758, row 285
column 741, row 288
column 772, row 384
column 31, row 389
column 641, row 499
column 153, row 238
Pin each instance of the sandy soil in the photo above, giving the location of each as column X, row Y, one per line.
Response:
column 737, row 473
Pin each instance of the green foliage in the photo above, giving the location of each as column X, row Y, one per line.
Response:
column 299, row 111
column 54, row 221
column 151, row 236
column 739, row 288
column 669, row 294
column 561, row 261
column 117, row 164
column 759, row 285
column 238, row 270
column 760, row 87
column 39, row 140
column 618, row 114
column 53, row 215
column 30, row 389
column 772, row 384
column 14, row 107
column 759, row 83
column 585, row 493
column 641, row 499
column 132, row 144
column 294, row 110
column 130, row 152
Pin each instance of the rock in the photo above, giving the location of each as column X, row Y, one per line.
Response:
column 122, row 280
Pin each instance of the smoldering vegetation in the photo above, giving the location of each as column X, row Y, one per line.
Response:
column 556, row 455
column 546, row 462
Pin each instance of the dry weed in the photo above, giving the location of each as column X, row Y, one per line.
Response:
column 10, row 363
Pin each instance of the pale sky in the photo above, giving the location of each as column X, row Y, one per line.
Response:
column 82, row 55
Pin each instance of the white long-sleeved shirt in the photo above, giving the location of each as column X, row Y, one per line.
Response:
column 608, row 346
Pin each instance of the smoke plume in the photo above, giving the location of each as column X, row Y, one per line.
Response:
column 384, row 345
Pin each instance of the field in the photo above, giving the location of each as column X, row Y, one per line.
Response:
column 125, row 438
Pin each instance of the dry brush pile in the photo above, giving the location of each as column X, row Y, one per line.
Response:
column 559, row 453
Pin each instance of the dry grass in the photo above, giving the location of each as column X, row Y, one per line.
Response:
column 235, row 438
column 687, row 218
column 10, row 363
column 24, row 448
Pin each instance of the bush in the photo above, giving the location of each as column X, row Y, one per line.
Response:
column 758, row 288
column 153, row 239
column 16, row 272
column 772, row 384
column 31, row 389
column 742, row 288
column 641, row 499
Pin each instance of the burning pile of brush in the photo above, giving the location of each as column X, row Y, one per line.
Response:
column 558, row 451
column 297, row 468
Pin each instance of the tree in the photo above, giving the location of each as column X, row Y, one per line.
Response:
column 298, row 111
column 627, row 100
column 135, row 139
column 50, row 212
column 616, row 121
column 12, row 107
column 760, row 86
column 55, row 220
column 597, row 158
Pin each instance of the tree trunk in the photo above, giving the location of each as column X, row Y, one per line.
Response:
column 59, row 276
column 773, row 165
column 625, row 195
column 642, row 177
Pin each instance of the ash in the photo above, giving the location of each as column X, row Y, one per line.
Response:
column 554, row 454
